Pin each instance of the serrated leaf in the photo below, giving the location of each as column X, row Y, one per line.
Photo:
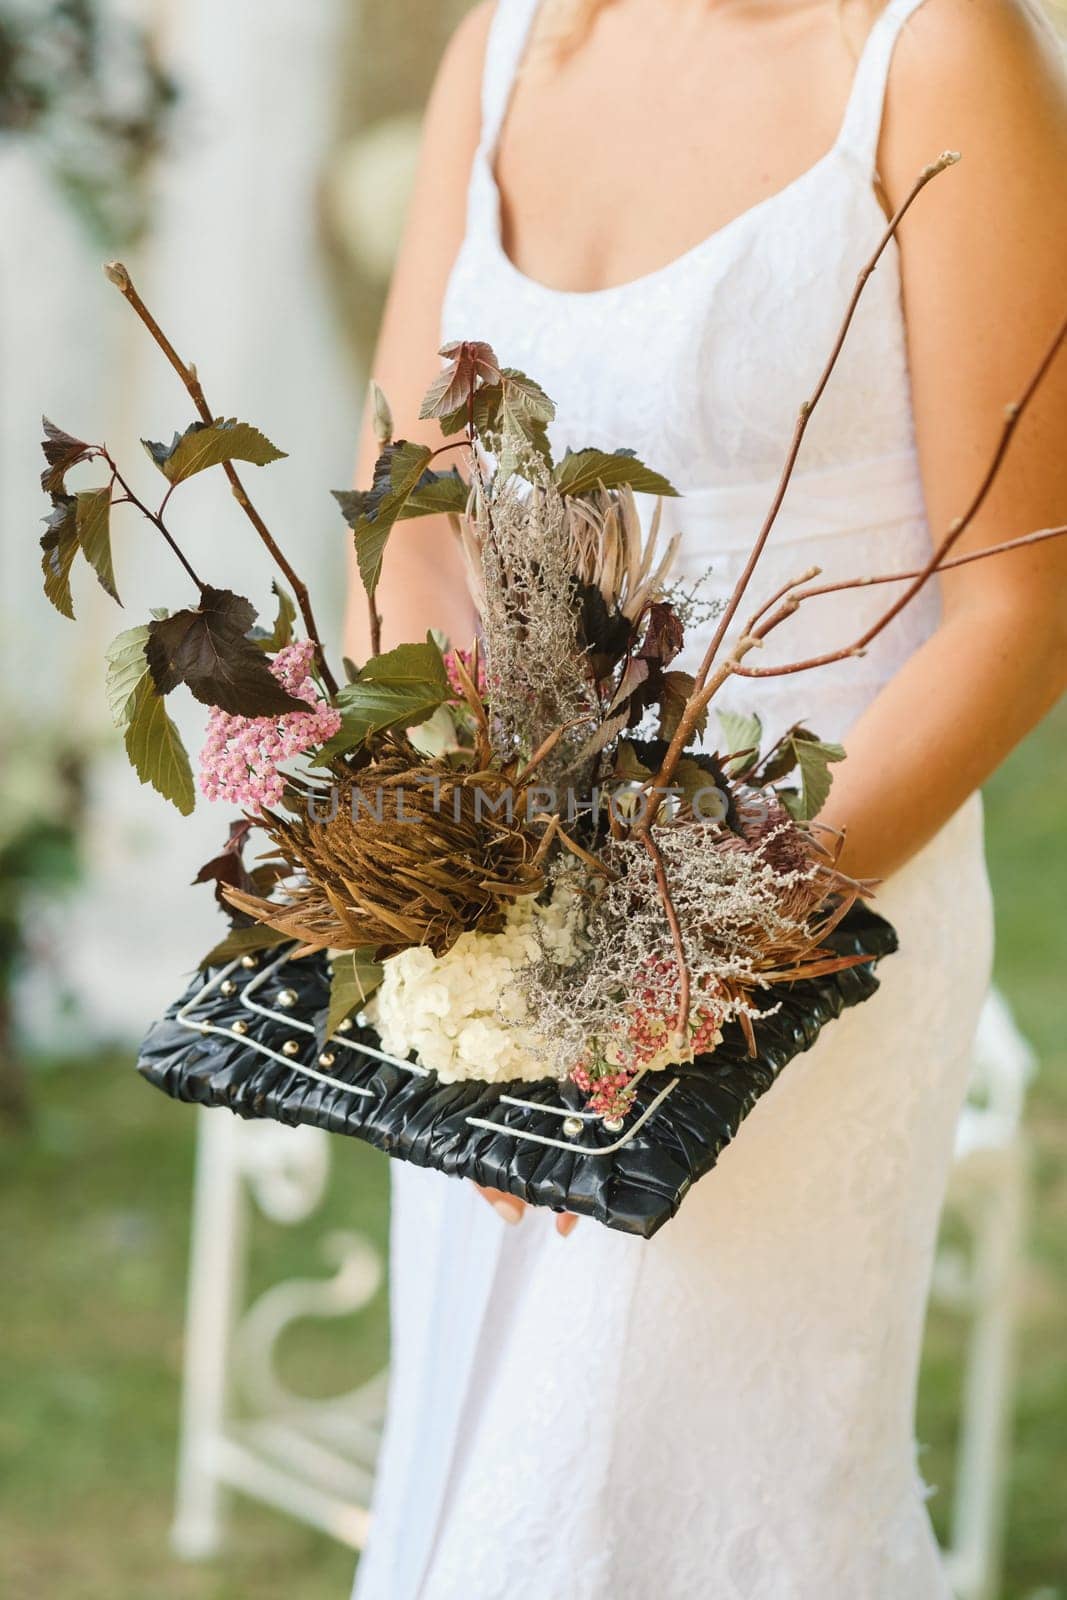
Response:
column 354, row 976
column 399, row 689
column 127, row 667
column 435, row 494
column 93, row 518
column 467, row 362
column 583, row 471
column 406, row 664
column 519, row 411
column 209, row 444
column 675, row 691
column 59, row 545
column 155, row 748
column 208, row 650
column 742, row 736
column 243, row 942
column 371, row 513
column 814, row 759
column 61, row 451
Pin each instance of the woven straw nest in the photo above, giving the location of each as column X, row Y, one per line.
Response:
column 415, row 855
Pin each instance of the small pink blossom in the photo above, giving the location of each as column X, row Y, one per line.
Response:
column 242, row 756
column 453, row 676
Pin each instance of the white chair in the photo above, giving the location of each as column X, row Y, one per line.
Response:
column 988, row 1191
column 242, row 1429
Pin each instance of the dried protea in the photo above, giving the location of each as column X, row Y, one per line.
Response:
column 409, row 852
column 611, row 551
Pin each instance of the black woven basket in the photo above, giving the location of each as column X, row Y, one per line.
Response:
column 246, row 1036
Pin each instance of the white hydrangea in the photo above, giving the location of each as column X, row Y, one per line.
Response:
column 463, row 1013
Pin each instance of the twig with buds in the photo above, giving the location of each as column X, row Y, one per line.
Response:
column 117, row 274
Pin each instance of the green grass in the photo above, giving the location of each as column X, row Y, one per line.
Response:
column 93, row 1238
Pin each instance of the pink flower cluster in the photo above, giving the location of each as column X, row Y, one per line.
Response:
column 242, row 756
column 644, row 1037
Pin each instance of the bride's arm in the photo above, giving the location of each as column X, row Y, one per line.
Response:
column 422, row 582
column 985, row 286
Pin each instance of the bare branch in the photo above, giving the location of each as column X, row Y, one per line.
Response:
column 1013, row 414
column 117, row 274
column 700, row 698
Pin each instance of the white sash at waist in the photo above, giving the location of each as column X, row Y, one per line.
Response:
column 837, row 502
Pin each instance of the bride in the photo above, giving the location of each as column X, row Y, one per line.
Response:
column 658, row 209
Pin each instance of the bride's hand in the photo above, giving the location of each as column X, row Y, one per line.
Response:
column 512, row 1209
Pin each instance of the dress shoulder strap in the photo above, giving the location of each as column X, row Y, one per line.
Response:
column 863, row 116
column 508, row 34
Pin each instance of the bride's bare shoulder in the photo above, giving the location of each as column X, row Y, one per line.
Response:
column 452, row 125
column 464, row 56
column 968, row 74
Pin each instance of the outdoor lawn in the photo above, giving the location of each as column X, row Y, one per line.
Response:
column 94, row 1205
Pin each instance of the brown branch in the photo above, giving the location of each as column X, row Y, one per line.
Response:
column 375, row 618
column 797, row 594
column 700, row 697
column 681, row 1021
column 937, row 563
column 117, row 274
column 154, row 517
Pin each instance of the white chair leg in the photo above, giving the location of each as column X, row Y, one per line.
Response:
column 982, row 1470
column 215, row 1291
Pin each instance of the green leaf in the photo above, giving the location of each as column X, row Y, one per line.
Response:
column 399, row 689
column 243, row 942
column 209, row 444
column 59, row 545
column 354, row 976
column 282, row 632
column 799, row 750
column 94, row 535
column 742, row 736
column 582, row 471
column 61, row 451
column 127, row 667
column 209, row 651
column 437, row 493
column 371, row 513
column 517, row 409
column 155, row 749
column 814, row 759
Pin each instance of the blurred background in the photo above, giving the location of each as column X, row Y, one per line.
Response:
column 250, row 164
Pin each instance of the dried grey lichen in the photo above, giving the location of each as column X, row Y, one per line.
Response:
column 745, row 908
column 519, row 547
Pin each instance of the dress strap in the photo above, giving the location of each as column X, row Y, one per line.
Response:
column 863, row 116
column 508, row 34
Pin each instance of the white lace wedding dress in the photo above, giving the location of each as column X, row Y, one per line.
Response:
column 725, row 1410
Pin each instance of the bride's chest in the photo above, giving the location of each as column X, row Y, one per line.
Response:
column 702, row 366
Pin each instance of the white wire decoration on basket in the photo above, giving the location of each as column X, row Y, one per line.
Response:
column 223, row 982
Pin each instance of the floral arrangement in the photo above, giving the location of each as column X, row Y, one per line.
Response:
column 531, row 857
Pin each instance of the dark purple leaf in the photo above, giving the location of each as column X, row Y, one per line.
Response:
column 207, row 650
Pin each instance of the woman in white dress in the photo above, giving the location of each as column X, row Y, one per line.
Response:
column 658, row 209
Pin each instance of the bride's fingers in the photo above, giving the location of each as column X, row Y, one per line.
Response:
column 507, row 1206
column 566, row 1223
